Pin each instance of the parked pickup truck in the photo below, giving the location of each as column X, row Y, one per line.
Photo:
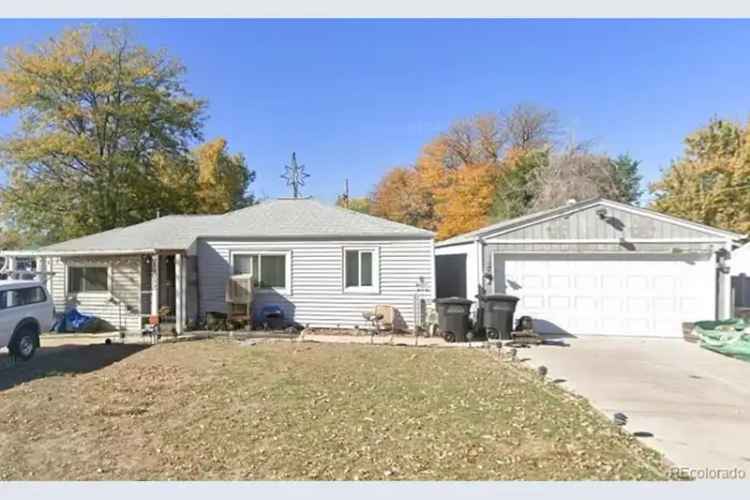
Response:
column 26, row 310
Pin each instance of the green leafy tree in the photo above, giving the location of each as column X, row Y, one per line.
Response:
column 104, row 138
column 514, row 193
column 10, row 239
column 627, row 178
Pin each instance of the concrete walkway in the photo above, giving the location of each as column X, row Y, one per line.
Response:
column 696, row 403
column 383, row 339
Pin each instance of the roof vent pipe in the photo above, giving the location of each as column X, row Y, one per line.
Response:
column 571, row 201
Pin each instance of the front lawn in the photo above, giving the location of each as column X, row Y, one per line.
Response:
column 216, row 409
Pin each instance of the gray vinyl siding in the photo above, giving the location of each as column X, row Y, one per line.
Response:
column 586, row 225
column 125, row 286
column 316, row 296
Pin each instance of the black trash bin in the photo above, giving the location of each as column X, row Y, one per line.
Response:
column 453, row 318
column 497, row 315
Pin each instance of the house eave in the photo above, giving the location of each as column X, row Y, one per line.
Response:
column 98, row 253
column 320, row 237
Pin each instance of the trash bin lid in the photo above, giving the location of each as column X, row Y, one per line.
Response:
column 499, row 297
column 454, row 300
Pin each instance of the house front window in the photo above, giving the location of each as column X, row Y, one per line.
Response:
column 269, row 270
column 82, row 279
column 360, row 269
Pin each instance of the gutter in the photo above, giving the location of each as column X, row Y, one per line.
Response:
column 64, row 253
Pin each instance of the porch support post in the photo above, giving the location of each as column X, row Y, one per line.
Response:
column 728, row 311
column 179, row 273
column 10, row 262
column 155, row 285
column 41, row 264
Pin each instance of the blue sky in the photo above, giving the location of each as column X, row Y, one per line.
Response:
column 354, row 98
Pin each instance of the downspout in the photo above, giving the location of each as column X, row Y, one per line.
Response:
column 723, row 283
column 197, row 291
column 479, row 245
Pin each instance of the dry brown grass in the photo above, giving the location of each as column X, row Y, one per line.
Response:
column 215, row 409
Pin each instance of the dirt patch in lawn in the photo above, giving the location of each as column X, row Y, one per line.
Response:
column 215, row 409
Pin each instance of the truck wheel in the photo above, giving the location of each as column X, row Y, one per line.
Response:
column 492, row 334
column 24, row 343
column 449, row 337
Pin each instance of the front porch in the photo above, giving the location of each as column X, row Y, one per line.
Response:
column 169, row 289
column 123, row 289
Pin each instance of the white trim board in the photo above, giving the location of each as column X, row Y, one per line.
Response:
column 492, row 241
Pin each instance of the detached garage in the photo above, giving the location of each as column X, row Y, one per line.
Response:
column 599, row 267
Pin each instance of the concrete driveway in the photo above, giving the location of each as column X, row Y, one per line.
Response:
column 695, row 403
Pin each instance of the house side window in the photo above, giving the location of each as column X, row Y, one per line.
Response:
column 87, row 279
column 268, row 270
column 360, row 269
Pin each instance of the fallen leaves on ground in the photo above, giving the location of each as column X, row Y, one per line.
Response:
column 212, row 410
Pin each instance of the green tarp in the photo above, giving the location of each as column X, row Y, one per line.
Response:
column 729, row 337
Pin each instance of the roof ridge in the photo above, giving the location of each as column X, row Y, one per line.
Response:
column 379, row 219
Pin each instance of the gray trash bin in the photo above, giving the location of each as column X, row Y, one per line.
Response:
column 453, row 318
column 497, row 317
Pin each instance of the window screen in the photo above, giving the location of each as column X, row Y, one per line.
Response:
column 272, row 271
column 366, row 260
column 359, row 268
column 352, row 268
column 269, row 271
column 246, row 264
column 87, row 279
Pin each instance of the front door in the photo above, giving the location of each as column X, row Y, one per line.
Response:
column 167, row 283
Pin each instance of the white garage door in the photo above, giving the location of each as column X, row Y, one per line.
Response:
column 612, row 295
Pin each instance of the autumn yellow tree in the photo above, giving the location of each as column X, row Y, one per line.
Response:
column 223, row 178
column 465, row 203
column 451, row 187
column 711, row 182
column 401, row 197
column 104, row 138
column 457, row 175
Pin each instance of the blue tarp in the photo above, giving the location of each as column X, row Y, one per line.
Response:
column 73, row 321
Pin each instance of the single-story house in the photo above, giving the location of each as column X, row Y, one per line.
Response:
column 323, row 265
column 596, row 267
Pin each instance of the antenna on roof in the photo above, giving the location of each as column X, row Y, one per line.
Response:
column 295, row 176
column 345, row 196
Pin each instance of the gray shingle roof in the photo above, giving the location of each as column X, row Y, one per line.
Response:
column 281, row 218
